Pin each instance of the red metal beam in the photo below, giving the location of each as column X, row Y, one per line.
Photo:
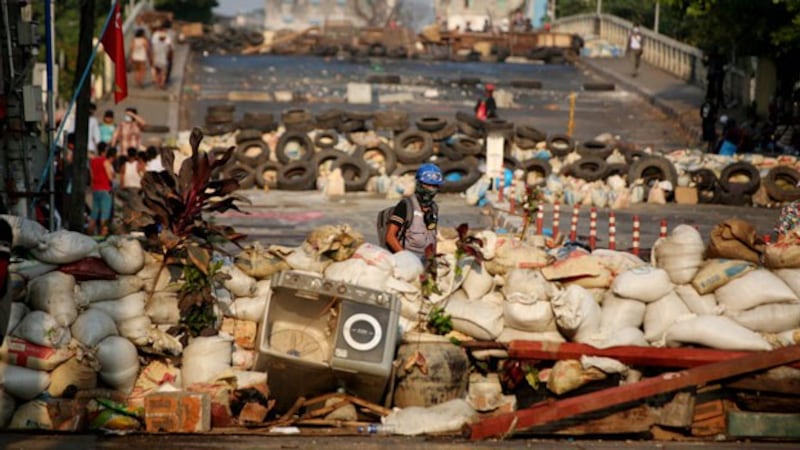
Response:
column 548, row 412
column 631, row 355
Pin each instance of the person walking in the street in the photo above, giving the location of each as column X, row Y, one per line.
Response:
column 486, row 108
column 102, row 173
column 131, row 172
column 140, row 56
column 415, row 230
column 107, row 127
column 129, row 132
column 154, row 162
column 636, row 47
column 162, row 55
column 708, row 115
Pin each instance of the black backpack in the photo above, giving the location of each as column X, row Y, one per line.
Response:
column 383, row 221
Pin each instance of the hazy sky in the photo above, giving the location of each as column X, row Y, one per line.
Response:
column 234, row 6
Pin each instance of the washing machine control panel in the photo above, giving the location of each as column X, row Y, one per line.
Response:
column 310, row 285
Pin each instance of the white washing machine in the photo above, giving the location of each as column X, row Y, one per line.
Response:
column 319, row 335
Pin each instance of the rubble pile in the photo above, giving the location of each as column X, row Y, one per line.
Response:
column 379, row 151
column 100, row 341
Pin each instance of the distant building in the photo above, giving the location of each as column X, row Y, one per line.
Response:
column 301, row 14
column 500, row 13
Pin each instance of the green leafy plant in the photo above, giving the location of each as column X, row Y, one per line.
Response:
column 428, row 277
column 439, row 322
column 530, row 207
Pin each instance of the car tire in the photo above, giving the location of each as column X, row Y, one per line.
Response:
column 540, row 166
column 297, row 176
column 595, row 148
column 465, row 146
column 445, row 133
column 408, row 155
column 589, row 168
column 431, row 123
column 247, row 157
column 292, row 136
column 389, row 157
column 470, row 119
column 781, row 184
column 740, row 168
column 470, row 131
column 620, row 169
column 262, row 180
column 355, row 171
column 241, row 173
column 467, row 168
column 653, row 168
column 326, row 139
column 531, row 133
column 560, row 145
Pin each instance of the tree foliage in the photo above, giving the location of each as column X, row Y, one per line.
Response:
column 189, row 10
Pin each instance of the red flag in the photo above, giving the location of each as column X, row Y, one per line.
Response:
column 114, row 45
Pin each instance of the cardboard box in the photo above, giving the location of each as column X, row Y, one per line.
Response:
column 178, row 412
column 685, row 195
column 243, row 331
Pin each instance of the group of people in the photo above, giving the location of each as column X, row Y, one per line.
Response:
column 155, row 51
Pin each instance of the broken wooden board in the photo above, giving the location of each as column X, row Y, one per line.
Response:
column 549, row 412
column 783, row 380
column 630, row 355
column 763, row 425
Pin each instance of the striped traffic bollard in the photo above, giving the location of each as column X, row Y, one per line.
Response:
column 499, row 185
column 636, row 235
column 540, row 219
column 612, row 231
column 512, row 198
column 662, row 232
column 556, row 219
column 593, row 228
column 573, row 227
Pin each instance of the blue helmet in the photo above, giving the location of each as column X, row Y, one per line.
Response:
column 429, row 174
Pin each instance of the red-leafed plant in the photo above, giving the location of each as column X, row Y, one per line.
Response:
column 467, row 245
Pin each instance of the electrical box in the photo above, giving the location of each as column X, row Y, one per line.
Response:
column 32, row 103
column 28, row 34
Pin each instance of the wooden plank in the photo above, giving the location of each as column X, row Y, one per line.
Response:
column 763, row 425
column 765, row 382
column 631, row 355
column 638, row 419
column 548, row 412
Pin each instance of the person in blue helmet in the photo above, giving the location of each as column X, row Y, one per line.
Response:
column 412, row 225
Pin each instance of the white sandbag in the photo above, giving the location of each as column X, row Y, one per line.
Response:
column 25, row 232
column 162, row 342
column 162, row 308
column 92, row 326
column 376, row 256
column 718, row 332
column 607, row 338
column 63, row 247
column 661, row 314
column 528, row 283
column 54, row 293
column 248, row 378
column 477, row 281
column 136, row 329
column 577, row 313
column 205, row 358
column 248, row 308
column 702, row 305
column 41, row 328
column 22, row 382
column 299, row 259
column 119, row 363
column 240, row 284
column 758, row 287
column 407, row 266
column 475, row 318
column 715, row 273
column 154, row 277
column 99, row 290
column 18, row 311
column 770, row 318
column 645, row 283
column 263, row 288
column 7, row 408
column 525, row 315
column 346, row 271
column 791, row 277
column 448, row 416
column 681, row 254
column 617, row 261
column 123, row 309
column 33, row 415
column 512, row 334
column 123, row 254
column 617, row 313
column 30, row 268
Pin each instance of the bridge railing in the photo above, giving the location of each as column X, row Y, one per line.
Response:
column 682, row 60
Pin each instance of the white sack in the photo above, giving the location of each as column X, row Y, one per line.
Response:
column 681, row 254
column 527, row 283
column 758, row 287
column 646, row 284
column 617, row 313
column 63, row 247
column 477, row 282
column 702, row 305
column 25, row 232
column 240, row 284
column 576, row 313
column 617, row 261
column 162, row 308
column 376, row 256
column 119, row 363
column 475, row 318
column 528, row 316
column 23, row 382
column 770, row 318
column 607, row 338
column 661, row 314
column 30, row 268
column 7, row 407
column 449, row 416
column 347, row 271
column 154, row 278
column 98, row 290
column 41, row 328
column 512, row 334
column 92, row 326
column 791, row 277
column 716, row 332
column 18, row 311
column 205, row 358
column 123, row 309
column 124, row 255
column 136, row 329
column 54, row 293
column 248, row 308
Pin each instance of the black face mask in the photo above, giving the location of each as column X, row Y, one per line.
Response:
column 425, row 195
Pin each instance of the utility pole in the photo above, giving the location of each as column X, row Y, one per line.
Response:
column 76, row 200
column 599, row 7
column 658, row 14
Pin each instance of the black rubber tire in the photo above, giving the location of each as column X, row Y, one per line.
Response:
column 389, row 157
column 541, row 166
column 383, row 79
column 560, row 145
column 289, row 136
column 153, row 128
column 219, row 117
column 221, row 107
column 740, row 168
column 709, row 196
column 531, row 133
column 241, row 173
column 391, row 120
column 469, row 119
column 430, row 123
column 781, row 176
column 704, row 179
column 632, row 155
column 217, row 129
column 445, row 133
column 733, row 198
column 509, row 162
column 355, row 171
column 595, row 148
column 413, row 156
column 469, row 130
column 359, row 115
column 326, row 139
column 449, row 152
column 326, row 155
column 467, row 167
column 653, row 168
column 492, row 125
column 598, row 86
column 251, row 161
column 465, row 146
column 248, row 135
column 620, row 169
column 296, row 116
column 525, row 143
column 297, row 176
column 350, row 126
column 264, row 122
column 589, row 168
column 300, row 127
column 268, row 166
column 329, row 119
column 526, row 84
column 404, row 169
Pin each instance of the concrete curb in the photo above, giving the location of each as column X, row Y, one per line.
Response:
column 689, row 127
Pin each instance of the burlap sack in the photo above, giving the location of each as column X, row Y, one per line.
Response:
column 784, row 254
column 735, row 239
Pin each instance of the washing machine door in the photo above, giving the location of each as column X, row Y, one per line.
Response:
column 362, row 332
